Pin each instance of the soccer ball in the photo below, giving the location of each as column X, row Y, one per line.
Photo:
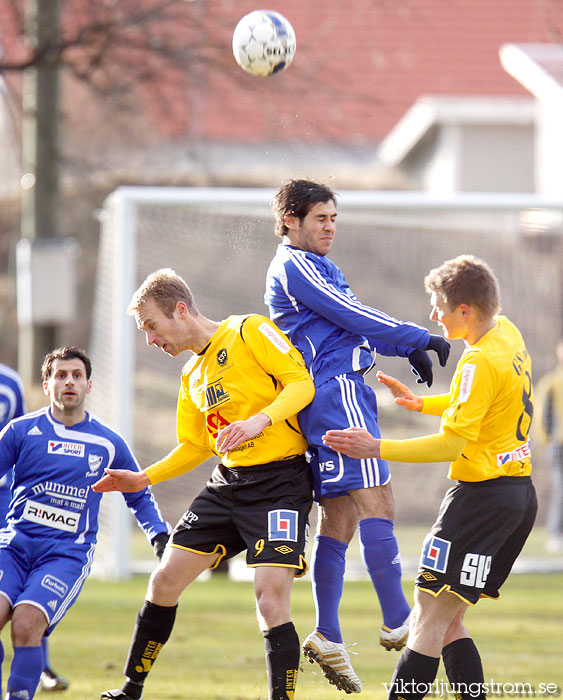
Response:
column 264, row 43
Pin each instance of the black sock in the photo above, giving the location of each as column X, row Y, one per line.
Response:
column 132, row 689
column 414, row 675
column 464, row 669
column 153, row 628
column 282, row 660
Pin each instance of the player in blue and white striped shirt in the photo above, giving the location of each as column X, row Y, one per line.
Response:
column 47, row 546
column 12, row 405
column 310, row 300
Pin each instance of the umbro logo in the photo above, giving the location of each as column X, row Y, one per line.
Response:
column 283, row 549
column 35, row 431
column 427, row 576
column 52, row 604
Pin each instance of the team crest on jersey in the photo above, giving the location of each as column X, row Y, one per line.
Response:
column 282, row 525
column 222, row 357
column 94, row 463
column 435, row 553
column 68, row 449
column 54, row 584
column 215, row 395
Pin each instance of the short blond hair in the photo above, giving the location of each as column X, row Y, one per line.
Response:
column 166, row 288
column 466, row 280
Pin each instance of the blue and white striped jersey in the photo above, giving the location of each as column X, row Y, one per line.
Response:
column 310, row 300
column 54, row 468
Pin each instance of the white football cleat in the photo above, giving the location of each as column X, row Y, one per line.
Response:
column 334, row 661
column 394, row 638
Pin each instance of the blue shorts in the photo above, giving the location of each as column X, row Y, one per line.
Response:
column 342, row 402
column 43, row 572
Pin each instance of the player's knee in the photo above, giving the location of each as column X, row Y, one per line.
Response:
column 28, row 626
column 163, row 582
column 272, row 609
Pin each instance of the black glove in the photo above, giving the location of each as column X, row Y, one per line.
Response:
column 421, row 366
column 159, row 544
column 441, row 347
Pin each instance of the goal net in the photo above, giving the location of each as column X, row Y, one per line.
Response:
column 221, row 242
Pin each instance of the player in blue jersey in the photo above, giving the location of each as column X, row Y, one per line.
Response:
column 47, row 546
column 12, row 405
column 310, row 300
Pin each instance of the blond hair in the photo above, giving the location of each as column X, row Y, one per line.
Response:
column 167, row 289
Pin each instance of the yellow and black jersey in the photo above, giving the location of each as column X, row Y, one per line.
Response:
column 249, row 366
column 491, row 405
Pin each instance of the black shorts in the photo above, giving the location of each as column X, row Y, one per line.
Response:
column 481, row 529
column 262, row 509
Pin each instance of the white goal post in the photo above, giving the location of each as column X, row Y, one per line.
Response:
column 221, row 241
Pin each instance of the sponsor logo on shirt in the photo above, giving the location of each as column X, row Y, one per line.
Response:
column 55, row 585
column 467, row 374
column 282, row 525
column 53, row 488
column 275, row 338
column 52, row 604
column 57, row 518
column 522, row 452
column 34, row 431
column 215, row 395
column 68, row 449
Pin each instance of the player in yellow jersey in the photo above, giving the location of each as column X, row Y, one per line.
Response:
column 239, row 396
column 487, row 515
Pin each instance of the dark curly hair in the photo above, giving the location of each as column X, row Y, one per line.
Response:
column 296, row 198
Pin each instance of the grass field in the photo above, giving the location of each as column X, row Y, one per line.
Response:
column 217, row 653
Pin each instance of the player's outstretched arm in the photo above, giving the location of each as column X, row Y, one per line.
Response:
column 353, row 442
column 123, row 480
column 403, row 395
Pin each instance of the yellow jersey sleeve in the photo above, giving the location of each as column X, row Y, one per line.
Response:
column 435, row 405
column 182, row 459
column 445, row 446
column 274, row 352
